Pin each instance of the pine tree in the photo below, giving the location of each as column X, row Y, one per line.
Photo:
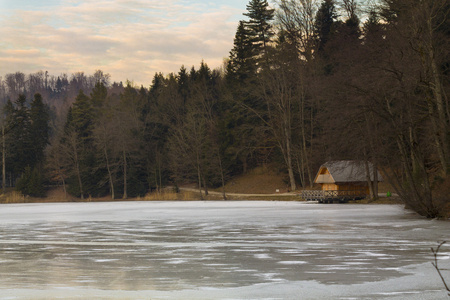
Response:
column 82, row 117
column 259, row 26
column 26, row 133
column 182, row 81
column 39, row 128
column 20, row 137
column 325, row 19
column 30, row 183
column 241, row 65
column 98, row 95
column 79, row 142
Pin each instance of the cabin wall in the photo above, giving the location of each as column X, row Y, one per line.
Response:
column 329, row 187
column 346, row 187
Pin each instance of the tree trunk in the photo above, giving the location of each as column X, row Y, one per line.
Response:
column 63, row 183
column 159, row 173
column 77, row 165
column 222, row 176
column 125, row 196
column 369, row 181
column 300, row 170
column 375, row 179
column 306, row 160
column 206, row 186
column 199, row 176
column 436, row 87
column 108, row 167
column 3, row 161
column 289, row 162
column 199, row 182
column 304, row 150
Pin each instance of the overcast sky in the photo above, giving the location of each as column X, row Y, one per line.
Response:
column 129, row 39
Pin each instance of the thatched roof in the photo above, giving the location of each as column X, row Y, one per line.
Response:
column 345, row 171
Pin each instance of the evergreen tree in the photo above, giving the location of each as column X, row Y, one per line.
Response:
column 241, row 65
column 82, row 117
column 98, row 95
column 259, row 25
column 20, row 144
column 129, row 138
column 40, row 128
column 248, row 58
column 182, row 80
column 372, row 26
column 79, row 142
column 8, row 140
column 204, row 73
column 26, row 136
column 31, row 183
column 323, row 26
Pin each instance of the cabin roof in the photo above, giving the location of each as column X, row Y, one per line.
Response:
column 344, row 171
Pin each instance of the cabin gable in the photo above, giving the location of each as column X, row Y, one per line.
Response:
column 324, row 176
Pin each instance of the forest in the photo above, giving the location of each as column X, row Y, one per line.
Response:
column 306, row 82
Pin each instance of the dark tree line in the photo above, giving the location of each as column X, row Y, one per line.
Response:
column 25, row 135
column 304, row 83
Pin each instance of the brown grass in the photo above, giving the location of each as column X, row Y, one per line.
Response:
column 12, row 197
column 258, row 181
column 170, row 195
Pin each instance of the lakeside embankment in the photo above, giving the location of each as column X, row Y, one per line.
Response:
column 57, row 195
column 168, row 194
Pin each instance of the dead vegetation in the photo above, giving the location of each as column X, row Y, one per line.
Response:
column 259, row 184
column 261, row 180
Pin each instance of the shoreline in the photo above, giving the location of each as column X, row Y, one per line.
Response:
column 56, row 195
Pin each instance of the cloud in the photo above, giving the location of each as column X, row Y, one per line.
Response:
column 128, row 39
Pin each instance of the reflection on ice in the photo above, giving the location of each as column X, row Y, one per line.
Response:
column 292, row 262
column 218, row 250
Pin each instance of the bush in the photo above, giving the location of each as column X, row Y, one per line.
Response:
column 30, row 183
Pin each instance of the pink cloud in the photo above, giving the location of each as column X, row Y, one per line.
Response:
column 128, row 39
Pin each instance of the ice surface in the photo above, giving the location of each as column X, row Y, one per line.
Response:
column 218, row 250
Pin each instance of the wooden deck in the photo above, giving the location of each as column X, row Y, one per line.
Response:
column 333, row 196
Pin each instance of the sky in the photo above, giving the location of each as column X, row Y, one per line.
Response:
column 129, row 39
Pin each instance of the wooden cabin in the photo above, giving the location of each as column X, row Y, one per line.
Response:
column 342, row 181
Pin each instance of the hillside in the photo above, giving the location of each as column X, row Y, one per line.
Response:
column 261, row 180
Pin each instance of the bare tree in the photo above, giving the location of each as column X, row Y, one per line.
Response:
column 128, row 127
column 104, row 133
column 71, row 149
column 436, row 266
column 297, row 19
column 187, row 144
column 57, row 160
column 431, row 45
column 281, row 93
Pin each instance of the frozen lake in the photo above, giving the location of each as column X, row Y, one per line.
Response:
column 219, row 250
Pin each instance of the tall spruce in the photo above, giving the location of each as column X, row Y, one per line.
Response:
column 323, row 26
column 82, row 117
column 98, row 96
column 20, row 137
column 259, row 26
column 39, row 128
column 80, row 147
column 25, row 136
column 241, row 65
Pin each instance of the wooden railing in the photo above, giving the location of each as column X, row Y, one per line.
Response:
column 333, row 195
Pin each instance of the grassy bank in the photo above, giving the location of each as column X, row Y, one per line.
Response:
column 186, row 194
column 57, row 195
